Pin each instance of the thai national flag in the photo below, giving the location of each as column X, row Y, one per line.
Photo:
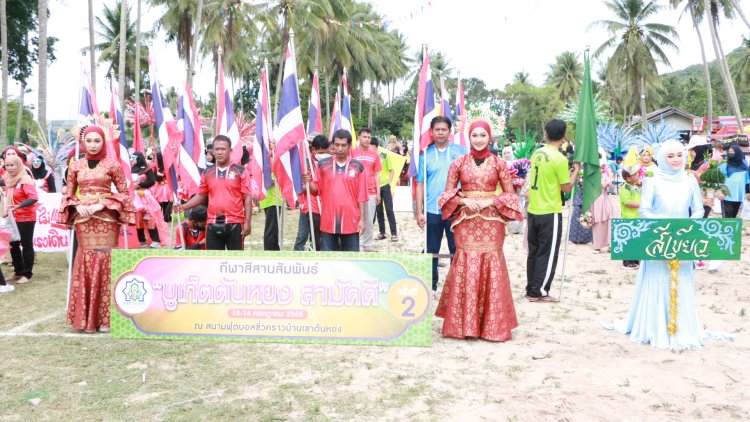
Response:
column 289, row 134
column 261, row 162
column 423, row 113
column 335, row 123
column 314, row 116
column 189, row 123
column 225, row 121
column 119, row 148
column 137, row 135
column 87, row 103
column 170, row 139
column 347, row 123
column 192, row 152
column 445, row 105
column 460, row 110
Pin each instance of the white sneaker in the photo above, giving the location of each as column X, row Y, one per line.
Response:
column 154, row 245
column 7, row 288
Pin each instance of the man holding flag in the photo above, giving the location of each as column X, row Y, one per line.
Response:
column 549, row 176
column 439, row 156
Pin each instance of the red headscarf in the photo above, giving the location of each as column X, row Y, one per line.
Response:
column 103, row 152
column 484, row 124
column 18, row 152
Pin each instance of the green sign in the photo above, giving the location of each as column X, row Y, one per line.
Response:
column 292, row 297
column 681, row 239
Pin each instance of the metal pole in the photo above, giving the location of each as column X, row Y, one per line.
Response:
column 566, row 239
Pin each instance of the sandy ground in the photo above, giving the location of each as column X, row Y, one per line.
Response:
column 562, row 365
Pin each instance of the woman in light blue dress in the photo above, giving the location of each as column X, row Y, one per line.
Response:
column 671, row 193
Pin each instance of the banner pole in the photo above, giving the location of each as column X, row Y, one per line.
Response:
column 566, row 239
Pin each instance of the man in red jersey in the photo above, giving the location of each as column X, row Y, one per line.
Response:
column 341, row 185
column 371, row 162
column 228, row 190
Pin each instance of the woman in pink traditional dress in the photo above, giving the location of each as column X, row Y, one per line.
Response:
column 96, row 212
column 603, row 210
column 477, row 300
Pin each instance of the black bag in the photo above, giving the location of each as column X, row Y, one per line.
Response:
column 219, row 228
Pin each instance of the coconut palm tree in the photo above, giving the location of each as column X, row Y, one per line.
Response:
column 692, row 9
column 712, row 9
column 741, row 68
column 42, row 89
column 637, row 46
column 566, row 74
column 108, row 31
column 4, row 59
column 121, row 68
column 92, row 46
column 521, row 77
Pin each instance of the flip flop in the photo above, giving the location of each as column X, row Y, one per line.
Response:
column 549, row 299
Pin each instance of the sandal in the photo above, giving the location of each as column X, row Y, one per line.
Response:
column 547, row 298
column 394, row 238
column 381, row 236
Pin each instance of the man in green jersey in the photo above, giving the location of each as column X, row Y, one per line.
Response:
column 549, row 176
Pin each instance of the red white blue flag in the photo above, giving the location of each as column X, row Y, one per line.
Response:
column 460, row 136
column 118, row 149
column 314, row 115
column 87, row 103
column 166, row 127
column 445, row 105
column 189, row 123
column 289, row 134
column 225, row 120
column 347, row 123
column 423, row 113
column 261, row 162
column 335, row 116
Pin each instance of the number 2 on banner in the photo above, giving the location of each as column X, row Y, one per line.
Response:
column 408, row 299
column 408, row 311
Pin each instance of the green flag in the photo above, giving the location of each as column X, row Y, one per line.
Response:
column 586, row 147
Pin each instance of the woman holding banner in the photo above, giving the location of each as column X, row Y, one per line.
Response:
column 477, row 300
column 96, row 212
column 670, row 193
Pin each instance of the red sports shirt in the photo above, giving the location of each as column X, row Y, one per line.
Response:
column 191, row 237
column 226, row 191
column 371, row 162
column 20, row 194
column 341, row 189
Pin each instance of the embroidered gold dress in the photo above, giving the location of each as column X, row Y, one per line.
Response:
column 90, row 284
column 477, row 299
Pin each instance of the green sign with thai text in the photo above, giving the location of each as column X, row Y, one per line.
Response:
column 681, row 239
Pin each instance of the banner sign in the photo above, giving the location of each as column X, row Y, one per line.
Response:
column 681, row 239
column 48, row 235
column 294, row 297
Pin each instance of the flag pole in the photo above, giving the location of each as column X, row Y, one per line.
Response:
column 418, row 144
column 566, row 239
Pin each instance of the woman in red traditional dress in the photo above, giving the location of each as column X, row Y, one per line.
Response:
column 96, row 212
column 477, row 300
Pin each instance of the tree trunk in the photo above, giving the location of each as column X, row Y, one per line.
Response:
column 737, row 7
column 725, row 76
column 642, row 97
column 198, row 20
column 369, row 113
column 92, row 47
column 19, row 115
column 137, row 53
column 361, row 94
column 42, row 101
column 4, row 59
column 327, row 117
column 706, row 74
column 123, row 46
